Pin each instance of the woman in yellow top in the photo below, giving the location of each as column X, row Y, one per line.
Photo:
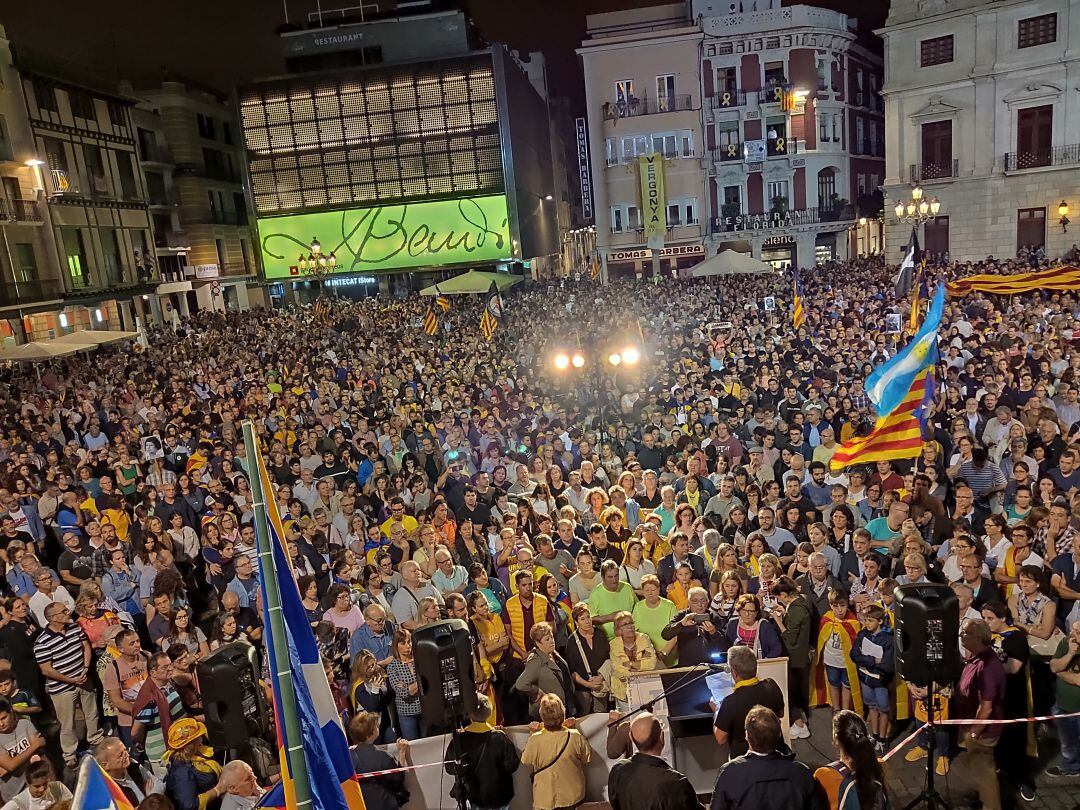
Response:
column 631, row 651
column 489, row 643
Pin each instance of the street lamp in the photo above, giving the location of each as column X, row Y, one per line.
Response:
column 627, row 357
column 317, row 264
column 917, row 209
column 1063, row 212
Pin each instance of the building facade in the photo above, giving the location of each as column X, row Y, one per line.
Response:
column 86, row 165
column 777, row 121
column 193, row 160
column 399, row 170
column 982, row 111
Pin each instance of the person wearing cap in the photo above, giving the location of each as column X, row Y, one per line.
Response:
column 192, row 779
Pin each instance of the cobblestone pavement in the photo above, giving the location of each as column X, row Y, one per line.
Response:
column 907, row 779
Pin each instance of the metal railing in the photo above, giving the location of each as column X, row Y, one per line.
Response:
column 18, row 210
column 171, row 239
column 725, row 99
column 917, row 173
column 728, row 152
column 781, row 147
column 1040, row 158
column 868, row 147
column 29, row 292
column 614, row 110
column 155, row 153
column 781, row 219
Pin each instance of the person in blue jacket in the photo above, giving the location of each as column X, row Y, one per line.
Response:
column 875, row 660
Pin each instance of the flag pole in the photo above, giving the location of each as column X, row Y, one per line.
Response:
column 291, row 732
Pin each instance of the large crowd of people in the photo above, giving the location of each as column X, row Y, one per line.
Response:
column 587, row 523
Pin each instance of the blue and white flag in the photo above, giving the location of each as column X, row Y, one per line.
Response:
column 890, row 382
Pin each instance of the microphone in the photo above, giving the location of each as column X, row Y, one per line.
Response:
column 717, row 667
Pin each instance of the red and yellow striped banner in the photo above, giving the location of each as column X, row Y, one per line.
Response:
column 897, row 435
column 1063, row 279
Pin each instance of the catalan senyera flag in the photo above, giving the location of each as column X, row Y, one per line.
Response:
column 896, row 435
column 594, row 269
column 1061, row 279
column 97, row 790
column 331, row 776
column 442, row 302
column 431, row 321
column 489, row 320
column 798, row 314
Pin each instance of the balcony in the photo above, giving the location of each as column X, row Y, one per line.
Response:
column 780, row 219
column 1043, row 158
column 30, row 292
column 212, row 171
column 614, row 110
column 19, row 210
column 781, row 147
column 933, row 171
column 728, row 152
column 727, row 99
column 171, row 240
column 868, row 147
column 112, row 277
column 155, row 153
column 164, row 198
column 773, row 94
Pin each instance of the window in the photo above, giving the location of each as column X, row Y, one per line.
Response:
column 725, row 49
column 633, row 146
column 772, row 42
column 861, row 147
column 116, row 115
column 665, row 93
column 95, row 169
column 936, row 51
column 666, row 144
column 1030, row 228
column 45, row 94
column 5, row 141
column 226, row 132
column 824, row 128
column 240, row 206
column 110, row 252
column 624, row 91
column 219, row 246
column 82, row 105
column 611, row 151
column 777, row 191
column 822, row 75
column 837, row 128
column 686, row 144
column 774, row 73
column 726, row 80
column 682, row 212
column 625, row 218
column 732, row 201
column 206, row 125
column 936, row 150
column 128, row 187
column 728, row 144
column 244, row 255
column 860, row 183
column 876, row 148
column 75, row 256
column 213, row 206
column 1034, row 136
column 24, row 261
column 936, row 236
column 826, row 189
column 1033, row 31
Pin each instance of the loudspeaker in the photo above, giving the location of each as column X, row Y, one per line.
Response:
column 927, row 634
column 233, row 701
column 442, row 653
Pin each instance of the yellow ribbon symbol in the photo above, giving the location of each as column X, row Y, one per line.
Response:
column 779, row 144
column 731, row 150
column 725, row 100
column 778, row 94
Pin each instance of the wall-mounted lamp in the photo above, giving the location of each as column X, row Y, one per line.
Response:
column 1063, row 212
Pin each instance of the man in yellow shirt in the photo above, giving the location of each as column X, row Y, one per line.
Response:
column 397, row 515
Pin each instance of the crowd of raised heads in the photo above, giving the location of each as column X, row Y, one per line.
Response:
column 587, row 523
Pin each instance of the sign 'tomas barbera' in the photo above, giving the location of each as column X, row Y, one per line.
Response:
column 391, row 237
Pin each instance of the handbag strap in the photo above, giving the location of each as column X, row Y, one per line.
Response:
column 584, row 658
column 558, row 756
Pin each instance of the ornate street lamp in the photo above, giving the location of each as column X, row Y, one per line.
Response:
column 917, row 209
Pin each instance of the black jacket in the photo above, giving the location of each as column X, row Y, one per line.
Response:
column 695, row 646
column 646, row 782
column 766, row 782
column 380, row 792
column 486, row 775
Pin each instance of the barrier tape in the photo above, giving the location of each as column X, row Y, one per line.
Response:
column 967, row 721
column 388, row 771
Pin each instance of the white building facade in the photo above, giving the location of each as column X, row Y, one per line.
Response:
column 982, row 105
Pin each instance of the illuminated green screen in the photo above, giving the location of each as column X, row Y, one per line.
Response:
column 390, row 237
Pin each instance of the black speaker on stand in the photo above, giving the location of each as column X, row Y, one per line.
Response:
column 443, row 656
column 233, row 701
column 927, row 638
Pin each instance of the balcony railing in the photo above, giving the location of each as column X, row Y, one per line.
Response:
column 780, row 219
column 934, row 171
column 112, row 277
column 1041, row 158
column 171, row 239
column 725, row 99
column 164, row 197
column 29, row 292
column 728, row 152
column 781, row 147
column 155, row 153
column 868, row 147
column 773, row 94
column 19, row 210
column 211, row 170
column 613, row 110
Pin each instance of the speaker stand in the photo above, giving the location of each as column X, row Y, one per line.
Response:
column 929, row 797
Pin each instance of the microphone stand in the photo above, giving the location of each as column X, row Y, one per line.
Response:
column 706, row 670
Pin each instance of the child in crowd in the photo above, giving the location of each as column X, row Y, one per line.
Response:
column 872, row 653
column 834, row 668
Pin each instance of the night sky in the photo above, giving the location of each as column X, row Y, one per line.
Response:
column 224, row 42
